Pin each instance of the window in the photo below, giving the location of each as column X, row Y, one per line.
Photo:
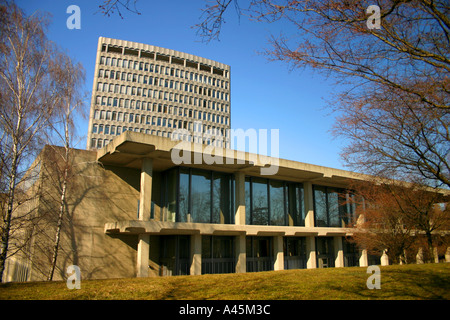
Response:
column 273, row 202
column 331, row 207
column 202, row 196
column 260, row 203
column 277, row 203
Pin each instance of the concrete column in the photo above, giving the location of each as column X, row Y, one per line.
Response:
column 309, row 204
column 239, row 217
column 311, row 255
column 143, row 250
column 419, row 256
column 363, row 258
column 384, row 259
column 435, row 255
column 145, row 198
column 338, row 252
column 240, row 254
column 447, row 255
column 278, row 253
column 196, row 254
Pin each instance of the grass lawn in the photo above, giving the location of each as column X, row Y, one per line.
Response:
column 426, row 281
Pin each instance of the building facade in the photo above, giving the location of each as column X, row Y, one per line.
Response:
column 153, row 90
column 132, row 212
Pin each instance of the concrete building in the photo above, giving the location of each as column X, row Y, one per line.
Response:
column 132, row 212
column 153, row 90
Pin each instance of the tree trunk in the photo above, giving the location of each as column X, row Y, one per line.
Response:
column 59, row 226
column 62, row 205
column 7, row 220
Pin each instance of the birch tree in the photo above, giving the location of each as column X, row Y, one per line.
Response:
column 29, row 96
column 62, row 132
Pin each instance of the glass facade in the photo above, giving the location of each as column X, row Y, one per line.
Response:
column 273, row 202
column 332, row 207
column 200, row 196
column 203, row 196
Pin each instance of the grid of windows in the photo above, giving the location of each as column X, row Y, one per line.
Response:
column 152, row 93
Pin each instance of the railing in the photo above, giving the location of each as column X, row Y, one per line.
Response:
column 223, row 265
column 294, row 262
column 351, row 260
column 259, row 264
column 172, row 267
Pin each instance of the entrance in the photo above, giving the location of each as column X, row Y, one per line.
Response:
column 175, row 255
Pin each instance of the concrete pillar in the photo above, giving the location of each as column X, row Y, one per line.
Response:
column 145, row 197
column 278, row 253
column 363, row 258
column 143, row 250
column 384, row 259
column 436, row 255
column 309, row 204
column 240, row 254
column 239, row 217
column 419, row 256
column 196, row 254
column 447, row 255
column 311, row 256
column 338, row 252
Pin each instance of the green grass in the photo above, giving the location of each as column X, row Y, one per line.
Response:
column 427, row 281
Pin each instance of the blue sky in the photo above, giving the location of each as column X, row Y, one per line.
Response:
column 264, row 94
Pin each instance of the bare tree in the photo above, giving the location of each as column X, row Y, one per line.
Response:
column 109, row 7
column 71, row 76
column 394, row 106
column 29, row 95
column 394, row 216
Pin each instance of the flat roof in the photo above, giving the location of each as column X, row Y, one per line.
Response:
column 128, row 150
column 165, row 51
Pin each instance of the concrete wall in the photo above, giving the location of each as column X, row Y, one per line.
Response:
column 95, row 195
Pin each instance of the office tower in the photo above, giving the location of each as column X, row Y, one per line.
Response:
column 157, row 91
